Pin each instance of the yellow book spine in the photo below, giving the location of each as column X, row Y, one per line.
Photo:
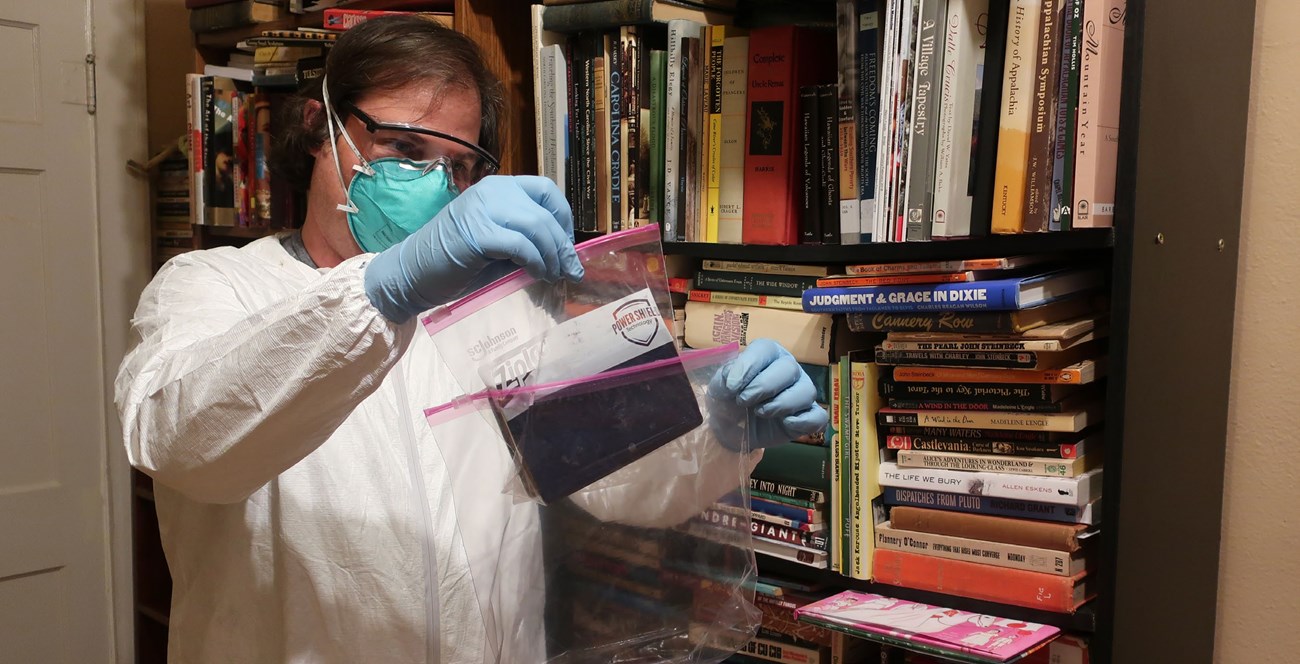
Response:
column 713, row 142
column 1013, row 132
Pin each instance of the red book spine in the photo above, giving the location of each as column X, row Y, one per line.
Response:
column 781, row 59
column 1034, row 590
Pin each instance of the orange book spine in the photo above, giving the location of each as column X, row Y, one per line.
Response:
column 1034, row 590
column 1013, row 132
column 1066, row 376
column 896, row 280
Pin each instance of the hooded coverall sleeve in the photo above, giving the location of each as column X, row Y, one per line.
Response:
column 219, row 394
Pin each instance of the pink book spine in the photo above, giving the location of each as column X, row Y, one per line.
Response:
column 1097, row 149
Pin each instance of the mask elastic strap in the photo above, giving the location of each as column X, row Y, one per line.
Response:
column 361, row 167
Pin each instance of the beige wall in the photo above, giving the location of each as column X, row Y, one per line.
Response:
column 1259, row 574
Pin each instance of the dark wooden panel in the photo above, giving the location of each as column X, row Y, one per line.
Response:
column 1181, row 169
column 501, row 29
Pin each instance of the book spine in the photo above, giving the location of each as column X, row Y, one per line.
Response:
column 866, row 461
column 858, row 440
column 693, row 142
column 868, row 106
column 713, row 134
column 809, row 146
column 194, row 133
column 847, row 511
column 615, row 71
column 1076, row 491
column 974, row 296
column 789, row 535
column 1013, row 132
column 992, row 445
column 794, row 524
column 846, row 120
column 775, row 651
column 981, row 406
column 978, row 322
column 783, row 499
column 1067, row 109
column 894, row 280
column 963, row 55
column 828, row 164
column 806, row 336
column 925, row 96
column 657, row 58
column 986, row 582
column 790, row 491
column 1008, row 507
column 839, row 469
column 547, row 140
column 752, row 282
column 731, row 174
column 782, row 620
column 590, row 54
column 1068, row 421
column 764, row 268
column 993, row 464
column 769, row 168
column 944, row 358
column 1042, row 125
column 645, row 155
column 798, row 465
column 886, row 122
column 976, row 392
column 1066, row 376
column 1028, row 533
column 631, row 211
column 677, row 31
column 1044, row 345
column 685, row 162
column 998, row 554
column 601, row 138
column 788, row 302
column 597, row 15
column 1097, row 152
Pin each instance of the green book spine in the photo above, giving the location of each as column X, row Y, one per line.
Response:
column 797, row 464
column 845, row 407
column 658, row 74
column 782, row 499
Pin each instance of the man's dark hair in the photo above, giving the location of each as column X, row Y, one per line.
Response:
column 379, row 55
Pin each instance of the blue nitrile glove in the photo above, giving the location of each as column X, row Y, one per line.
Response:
column 766, row 384
column 492, row 228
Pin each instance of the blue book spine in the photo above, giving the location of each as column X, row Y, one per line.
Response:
column 998, row 295
column 868, row 110
column 771, row 507
column 960, row 502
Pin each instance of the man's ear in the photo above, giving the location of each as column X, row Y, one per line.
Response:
column 313, row 117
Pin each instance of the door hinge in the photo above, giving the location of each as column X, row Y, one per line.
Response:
column 90, row 84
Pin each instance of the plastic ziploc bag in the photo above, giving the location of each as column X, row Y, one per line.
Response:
column 493, row 336
column 652, row 563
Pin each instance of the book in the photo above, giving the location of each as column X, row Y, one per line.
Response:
column 1067, row 115
column 1042, row 118
column 998, row 554
column 787, row 302
column 1007, row 294
column 1096, row 155
column 980, row 441
column 869, row 22
column 1010, row 465
column 918, row 199
column 1023, row 532
column 606, row 14
column 976, row 322
column 792, row 491
column 948, row 632
column 235, row 14
column 827, row 164
column 753, row 282
column 842, row 281
column 963, row 68
column 807, row 336
column 796, row 465
column 1022, row 393
column 790, row 552
column 1069, row 420
column 765, row 268
column 1021, row 509
column 344, row 19
column 782, row 59
column 1014, row 126
column 957, row 265
column 1034, row 590
column 1072, row 491
column 731, row 168
column 848, row 215
column 1080, row 373
column 808, row 145
column 1054, row 336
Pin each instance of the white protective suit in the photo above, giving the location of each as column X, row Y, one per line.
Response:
column 302, row 498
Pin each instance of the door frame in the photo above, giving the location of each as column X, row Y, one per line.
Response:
column 122, row 216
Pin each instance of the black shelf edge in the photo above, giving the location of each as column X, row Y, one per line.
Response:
column 1084, row 620
column 994, row 246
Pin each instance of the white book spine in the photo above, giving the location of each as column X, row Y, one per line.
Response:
column 1074, row 491
column 963, row 66
column 678, row 29
column 1012, row 465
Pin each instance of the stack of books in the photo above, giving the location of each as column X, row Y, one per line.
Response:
column 991, row 403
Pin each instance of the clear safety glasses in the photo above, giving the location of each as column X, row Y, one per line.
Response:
column 399, row 140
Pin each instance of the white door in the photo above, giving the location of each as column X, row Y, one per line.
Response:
column 53, row 528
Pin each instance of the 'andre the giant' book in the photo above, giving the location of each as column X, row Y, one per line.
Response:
column 781, row 60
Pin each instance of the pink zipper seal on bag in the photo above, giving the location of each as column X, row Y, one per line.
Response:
column 447, row 314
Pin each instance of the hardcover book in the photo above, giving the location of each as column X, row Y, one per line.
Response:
column 995, row 295
column 950, row 633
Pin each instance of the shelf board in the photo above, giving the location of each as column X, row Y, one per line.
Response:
column 1082, row 620
column 993, row 246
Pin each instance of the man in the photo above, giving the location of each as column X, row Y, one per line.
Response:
column 274, row 392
